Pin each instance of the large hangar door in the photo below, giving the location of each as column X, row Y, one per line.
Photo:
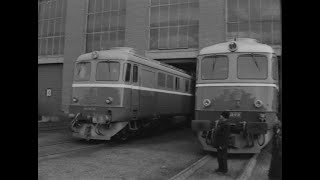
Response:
column 49, row 89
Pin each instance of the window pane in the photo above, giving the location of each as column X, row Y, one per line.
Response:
column 173, row 37
column 164, row 10
column 105, row 41
column 266, row 32
column 114, row 5
column 45, row 28
column 90, row 23
column 244, row 30
column 164, row 2
column 173, row 19
column 252, row 67
column 193, row 37
column 135, row 73
column 42, row 9
column 128, row 73
column 154, row 38
column 57, row 25
column 154, row 19
column 108, row 71
column 114, row 20
column 106, row 21
column 183, row 36
column 169, row 81
column 82, row 71
column 39, row 46
column 97, row 23
column 91, row 6
column 107, row 5
column 276, row 33
column 121, row 38
column 214, row 67
column 232, row 11
column 154, row 2
column 177, row 83
column 122, row 20
column 98, row 6
column 61, row 45
column 59, row 8
column 113, row 39
column 161, row 80
column 183, row 14
column 194, row 13
column 275, row 72
column 243, row 12
column 51, row 28
column 122, row 4
column 56, row 42
column 255, row 10
column 39, row 28
column 43, row 46
column 89, row 43
column 255, row 31
column 47, row 10
column 96, row 41
column 163, row 41
column 49, row 46
column 52, row 9
column 186, row 83
column 63, row 23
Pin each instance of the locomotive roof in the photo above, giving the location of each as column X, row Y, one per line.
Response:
column 127, row 53
column 243, row 45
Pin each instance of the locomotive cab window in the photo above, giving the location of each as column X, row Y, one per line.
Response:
column 161, row 79
column 108, row 71
column 82, row 71
column 127, row 71
column 275, row 68
column 177, row 83
column 169, row 81
column 214, row 67
column 252, row 66
column 135, row 73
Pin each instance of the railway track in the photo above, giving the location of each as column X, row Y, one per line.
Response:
column 54, row 143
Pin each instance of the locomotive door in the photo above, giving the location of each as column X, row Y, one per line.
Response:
column 135, row 92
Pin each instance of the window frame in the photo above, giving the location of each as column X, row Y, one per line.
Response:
column 135, row 74
column 273, row 60
column 125, row 71
column 215, row 55
column 177, row 83
column 165, row 80
column 75, row 68
column 108, row 61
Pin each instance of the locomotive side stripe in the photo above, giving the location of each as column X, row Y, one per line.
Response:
column 238, row 84
column 131, row 87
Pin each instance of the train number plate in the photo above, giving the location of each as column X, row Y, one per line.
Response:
column 235, row 114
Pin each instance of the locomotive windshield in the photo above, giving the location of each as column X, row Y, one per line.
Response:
column 108, row 71
column 82, row 71
column 214, row 67
column 252, row 66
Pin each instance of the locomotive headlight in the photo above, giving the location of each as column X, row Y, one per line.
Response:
column 109, row 100
column 258, row 103
column 206, row 102
column 75, row 100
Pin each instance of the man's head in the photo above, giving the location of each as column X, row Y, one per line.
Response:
column 225, row 114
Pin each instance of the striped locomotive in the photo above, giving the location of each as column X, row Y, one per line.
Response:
column 117, row 93
column 239, row 76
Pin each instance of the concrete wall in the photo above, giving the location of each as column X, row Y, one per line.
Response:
column 74, row 44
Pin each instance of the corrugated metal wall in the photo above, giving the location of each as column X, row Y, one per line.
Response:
column 49, row 76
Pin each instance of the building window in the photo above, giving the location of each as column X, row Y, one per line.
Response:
column 51, row 27
column 258, row 19
column 105, row 24
column 174, row 24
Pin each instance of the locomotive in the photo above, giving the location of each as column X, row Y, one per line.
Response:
column 117, row 93
column 239, row 76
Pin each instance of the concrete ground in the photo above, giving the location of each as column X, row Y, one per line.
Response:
column 154, row 157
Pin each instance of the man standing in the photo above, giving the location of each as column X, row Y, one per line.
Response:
column 222, row 132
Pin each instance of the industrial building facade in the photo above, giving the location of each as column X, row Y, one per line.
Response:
column 171, row 31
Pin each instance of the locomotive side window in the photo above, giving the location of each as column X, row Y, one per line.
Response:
column 161, row 79
column 135, row 73
column 169, row 81
column 177, row 83
column 186, row 85
column 214, row 67
column 275, row 70
column 82, row 71
column 252, row 66
column 108, row 71
column 128, row 72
